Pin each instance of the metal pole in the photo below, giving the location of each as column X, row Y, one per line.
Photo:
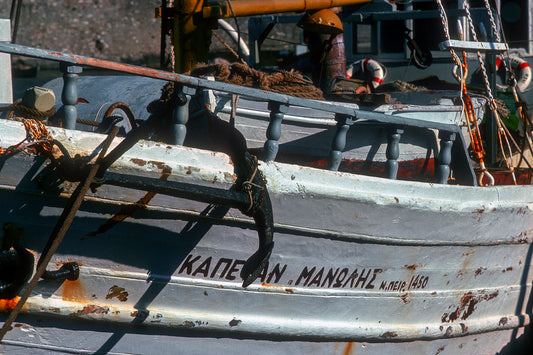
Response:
column 254, row 7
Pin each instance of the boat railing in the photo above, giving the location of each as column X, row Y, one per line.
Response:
column 452, row 144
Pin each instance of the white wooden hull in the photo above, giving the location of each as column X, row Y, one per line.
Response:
column 356, row 259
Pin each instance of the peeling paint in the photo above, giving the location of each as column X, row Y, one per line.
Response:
column 479, row 271
column 467, row 306
column 139, row 162
column 234, row 322
column 161, row 166
column 92, row 309
column 389, row 335
column 188, row 324
column 411, row 267
column 118, row 292
column 279, row 288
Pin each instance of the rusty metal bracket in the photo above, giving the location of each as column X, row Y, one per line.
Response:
column 61, row 228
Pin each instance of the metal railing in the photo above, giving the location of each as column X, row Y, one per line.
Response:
column 278, row 104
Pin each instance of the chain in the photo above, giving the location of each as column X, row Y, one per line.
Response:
column 468, row 108
column 37, row 136
column 502, row 137
column 460, row 77
column 492, row 102
column 444, row 20
column 492, row 23
column 235, row 54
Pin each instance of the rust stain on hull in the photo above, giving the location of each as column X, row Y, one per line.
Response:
column 411, row 267
column 479, row 271
column 91, row 309
column 160, row 165
column 235, row 322
column 348, row 349
column 467, row 306
column 139, row 162
column 74, row 291
column 389, row 335
column 279, row 288
column 118, row 292
column 8, row 305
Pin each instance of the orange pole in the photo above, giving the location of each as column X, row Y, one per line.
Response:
column 261, row 7
column 193, row 21
column 191, row 37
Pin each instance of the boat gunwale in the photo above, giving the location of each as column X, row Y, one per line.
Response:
column 395, row 192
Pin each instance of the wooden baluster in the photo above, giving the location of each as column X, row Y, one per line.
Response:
column 180, row 115
column 273, row 133
column 339, row 141
column 445, row 156
column 393, row 152
column 69, row 95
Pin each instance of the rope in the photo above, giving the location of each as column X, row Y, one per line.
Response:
column 492, row 23
column 37, row 137
column 236, row 26
column 492, row 103
column 237, row 56
column 19, row 110
column 283, row 82
column 444, row 20
column 247, row 185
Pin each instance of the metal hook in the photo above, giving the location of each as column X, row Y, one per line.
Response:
column 488, row 175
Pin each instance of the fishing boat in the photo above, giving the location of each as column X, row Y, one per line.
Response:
column 159, row 232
